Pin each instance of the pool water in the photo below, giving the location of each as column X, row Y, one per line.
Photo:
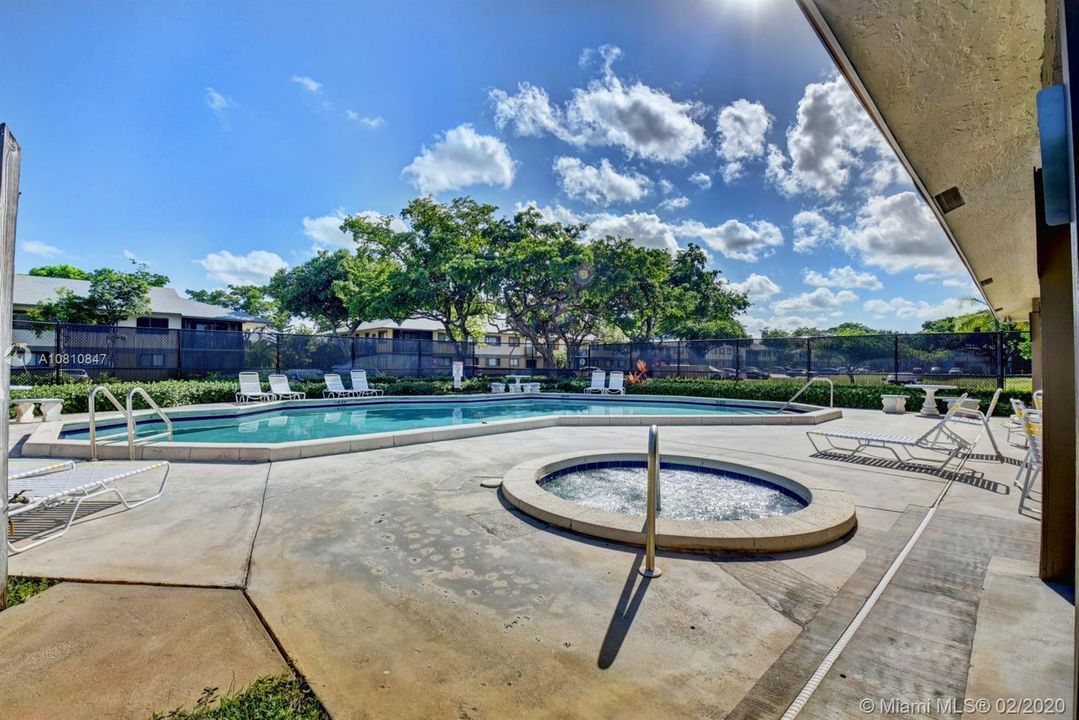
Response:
column 342, row 420
column 686, row 492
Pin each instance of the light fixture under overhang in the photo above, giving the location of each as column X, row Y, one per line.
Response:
column 987, row 281
column 950, row 199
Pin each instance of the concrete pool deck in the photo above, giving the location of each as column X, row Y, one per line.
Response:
column 399, row 587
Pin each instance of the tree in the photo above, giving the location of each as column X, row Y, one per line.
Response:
column 250, row 299
column 699, row 304
column 440, row 268
column 113, row 296
column 142, row 271
column 313, row 291
column 636, row 286
column 547, row 287
column 69, row 272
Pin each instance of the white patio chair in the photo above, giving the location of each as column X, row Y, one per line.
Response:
column 279, row 386
column 336, row 389
column 1015, row 423
column 74, row 486
column 1037, row 398
column 1032, row 463
column 617, row 384
column 599, row 378
column 359, row 384
column 942, row 439
column 251, row 388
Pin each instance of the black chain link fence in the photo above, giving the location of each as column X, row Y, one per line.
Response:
column 70, row 353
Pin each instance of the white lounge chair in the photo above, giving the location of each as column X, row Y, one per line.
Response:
column 942, row 439
column 279, row 386
column 251, row 388
column 74, row 486
column 336, row 389
column 617, row 384
column 20, row 468
column 359, row 384
column 599, row 378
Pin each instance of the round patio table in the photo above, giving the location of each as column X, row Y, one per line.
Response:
column 929, row 407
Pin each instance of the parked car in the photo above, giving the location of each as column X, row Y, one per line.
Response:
column 752, row 373
column 777, row 371
column 955, row 371
column 900, row 378
column 935, row 370
column 74, row 375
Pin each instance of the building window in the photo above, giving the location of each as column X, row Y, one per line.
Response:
column 493, row 340
column 151, row 360
column 443, row 361
column 494, row 362
column 515, row 362
column 513, row 341
column 152, row 322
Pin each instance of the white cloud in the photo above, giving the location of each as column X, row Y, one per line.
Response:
column 956, row 282
column 757, row 287
column 827, row 143
column 755, row 325
column 819, row 300
column 701, row 180
column 920, row 309
column 735, row 239
column 462, row 157
column 256, row 267
column 600, row 184
column 370, row 122
column 927, row 277
column 308, row 83
column 220, row 105
column 897, row 233
column 742, row 127
column 844, row 277
column 41, row 249
column 811, row 229
column 643, row 121
column 325, row 230
column 666, row 186
column 674, row 203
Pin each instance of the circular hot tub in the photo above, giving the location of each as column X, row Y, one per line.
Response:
column 707, row 504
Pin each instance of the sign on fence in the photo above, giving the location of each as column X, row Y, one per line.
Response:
column 458, row 373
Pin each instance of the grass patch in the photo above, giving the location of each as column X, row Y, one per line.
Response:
column 274, row 697
column 21, row 589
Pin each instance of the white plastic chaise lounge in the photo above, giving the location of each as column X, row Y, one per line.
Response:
column 359, row 383
column 599, row 379
column 941, row 439
column 617, row 384
column 74, row 485
column 336, row 389
column 280, row 388
column 21, row 468
column 251, row 388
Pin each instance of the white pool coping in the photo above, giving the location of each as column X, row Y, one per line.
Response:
column 828, row 516
column 46, row 440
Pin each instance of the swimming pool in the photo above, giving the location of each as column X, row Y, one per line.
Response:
column 292, row 424
column 286, row 430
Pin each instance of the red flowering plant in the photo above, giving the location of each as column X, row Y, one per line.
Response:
column 641, row 374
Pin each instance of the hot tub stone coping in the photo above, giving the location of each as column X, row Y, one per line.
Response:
column 46, row 440
column 828, row 516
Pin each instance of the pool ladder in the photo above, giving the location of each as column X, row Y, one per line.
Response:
column 652, row 509
column 128, row 412
column 831, row 392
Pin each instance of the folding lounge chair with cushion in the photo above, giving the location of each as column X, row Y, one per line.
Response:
column 251, row 388
column 941, row 439
column 336, row 389
column 359, row 383
column 617, row 386
column 75, row 485
column 599, row 378
column 20, row 468
column 279, row 386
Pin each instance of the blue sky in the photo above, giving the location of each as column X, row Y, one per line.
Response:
column 218, row 142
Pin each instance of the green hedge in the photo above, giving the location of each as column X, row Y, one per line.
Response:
column 172, row 393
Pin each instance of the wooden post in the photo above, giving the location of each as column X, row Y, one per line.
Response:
column 10, row 155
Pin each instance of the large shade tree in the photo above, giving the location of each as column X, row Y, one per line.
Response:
column 311, row 291
column 112, row 296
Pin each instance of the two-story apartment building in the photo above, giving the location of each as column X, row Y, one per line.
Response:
column 498, row 350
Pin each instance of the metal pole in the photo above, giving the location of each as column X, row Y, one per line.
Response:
column 1000, row 359
column 650, row 570
column 10, row 155
column 56, row 352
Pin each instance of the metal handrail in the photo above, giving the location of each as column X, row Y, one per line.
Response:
column 650, row 570
column 131, row 419
column 93, row 418
column 795, row 396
